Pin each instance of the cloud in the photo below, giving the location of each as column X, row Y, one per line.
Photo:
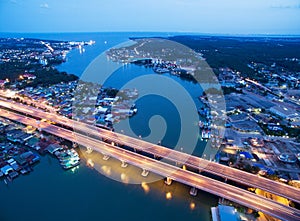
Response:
column 44, row 5
column 13, row 1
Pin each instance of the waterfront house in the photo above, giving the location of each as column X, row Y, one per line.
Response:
column 6, row 169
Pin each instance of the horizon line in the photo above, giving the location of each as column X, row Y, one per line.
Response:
column 166, row 32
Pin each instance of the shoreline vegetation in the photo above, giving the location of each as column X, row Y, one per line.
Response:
column 199, row 58
column 237, row 53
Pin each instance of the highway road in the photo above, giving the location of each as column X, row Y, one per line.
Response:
column 233, row 174
column 212, row 186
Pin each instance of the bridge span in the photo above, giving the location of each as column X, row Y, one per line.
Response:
column 200, row 164
column 212, row 186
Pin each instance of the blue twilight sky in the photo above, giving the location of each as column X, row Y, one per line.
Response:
column 203, row 16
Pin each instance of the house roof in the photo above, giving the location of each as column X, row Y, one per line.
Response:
column 227, row 213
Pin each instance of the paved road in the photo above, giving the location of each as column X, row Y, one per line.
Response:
column 215, row 187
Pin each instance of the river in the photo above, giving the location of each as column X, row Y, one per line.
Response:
column 50, row 193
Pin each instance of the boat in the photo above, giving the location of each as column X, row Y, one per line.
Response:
column 68, row 155
column 70, row 164
column 161, row 70
column 201, row 124
column 68, row 158
column 205, row 134
column 24, row 171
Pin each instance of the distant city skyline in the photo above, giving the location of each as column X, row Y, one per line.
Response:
column 277, row 17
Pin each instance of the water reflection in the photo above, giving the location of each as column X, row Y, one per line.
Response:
column 192, row 205
column 168, row 195
column 124, row 178
column 145, row 187
column 174, row 193
column 106, row 170
column 90, row 163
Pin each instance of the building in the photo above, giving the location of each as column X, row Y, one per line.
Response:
column 287, row 158
column 284, row 112
column 246, row 126
column 29, row 76
column 224, row 213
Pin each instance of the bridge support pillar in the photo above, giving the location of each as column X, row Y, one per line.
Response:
column 89, row 150
column 168, row 181
column 105, row 157
column 221, row 200
column 145, row 173
column 74, row 145
column 193, row 191
column 124, row 164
